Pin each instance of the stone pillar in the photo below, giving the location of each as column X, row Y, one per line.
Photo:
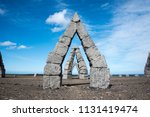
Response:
column 83, row 73
column 147, row 67
column 2, row 68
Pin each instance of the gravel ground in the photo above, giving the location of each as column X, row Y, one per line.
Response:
column 129, row 88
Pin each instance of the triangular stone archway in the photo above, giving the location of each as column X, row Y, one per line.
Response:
column 81, row 66
column 99, row 72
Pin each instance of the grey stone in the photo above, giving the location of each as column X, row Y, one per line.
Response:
column 81, row 66
column 51, row 82
column 76, row 18
column 92, row 53
column 147, row 67
column 2, row 68
column 81, row 31
column 99, row 77
column 71, row 30
column 52, row 69
column 87, row 42
column 54, row 58
column 99, row 62
column 65, row 40
column 61, row 49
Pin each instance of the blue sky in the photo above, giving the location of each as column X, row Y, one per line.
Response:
column 30, row 29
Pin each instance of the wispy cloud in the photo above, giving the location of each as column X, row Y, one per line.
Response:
column 7, row 43
column 59, row 19
column 2, row 11
column 105, row 5
column 127, row 46
column 22, row 47
column 12, row 45
column 61, row 4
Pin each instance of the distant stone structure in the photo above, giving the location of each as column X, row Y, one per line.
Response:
column 2, row 68
column 147, row 67
column 81, row 66
column 99, row 72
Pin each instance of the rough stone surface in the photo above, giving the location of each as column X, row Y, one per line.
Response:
column 2, row 68
column 71, row 30
column 51, row 82
column 61, row 49
column 81, row 66
column 54, row 58
column 147, row 67
column 75, row 18
column 65, row 40
column 87, row 42
column 81, row 31
column 52, row 69
column 99, row 77
column 99, row 73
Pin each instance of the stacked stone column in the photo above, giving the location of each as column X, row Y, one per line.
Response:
column 147, row 67
column 69, row 65
column 2, row 68
column 83, row 73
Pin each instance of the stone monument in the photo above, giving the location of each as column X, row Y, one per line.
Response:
column 147, row 67
column 81, row 66
column 99, row 72
column 2, row 68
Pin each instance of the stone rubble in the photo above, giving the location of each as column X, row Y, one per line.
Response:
column 99, row 72
column 2, row 68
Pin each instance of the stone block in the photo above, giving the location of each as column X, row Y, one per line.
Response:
column 54, row 58
column 52, row 69
column 71, row 30
column 92, row 52
column 99, row 62
column 87, row 42
column 83, row 71
column 81, row 31
column 83, row 76
column 75, row 18
column 65, row 40
column 61, row 49
column 52, row 82
column 99, row 77
column 81, row 64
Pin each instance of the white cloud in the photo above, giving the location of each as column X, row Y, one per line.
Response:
column 127, row 46
column 7, row 43
column 22, row 47
column 2, row 11
column 59, row 20
column 11, row 45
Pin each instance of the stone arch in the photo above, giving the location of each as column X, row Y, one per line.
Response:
column 82, row 69
column 99, row 73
